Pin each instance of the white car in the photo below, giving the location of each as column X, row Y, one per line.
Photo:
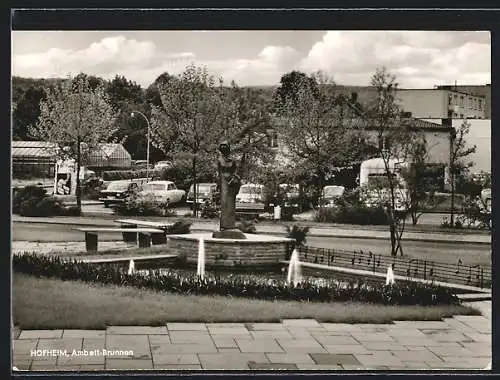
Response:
column 162, row 165
column 250, row 197
column 164, row 192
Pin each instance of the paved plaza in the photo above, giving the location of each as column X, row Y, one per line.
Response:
column 461, row 342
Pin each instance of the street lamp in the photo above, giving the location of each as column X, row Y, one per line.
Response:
column 148, row 134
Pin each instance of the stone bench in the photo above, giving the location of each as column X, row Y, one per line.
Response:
column 143, row 235
column 156, row 238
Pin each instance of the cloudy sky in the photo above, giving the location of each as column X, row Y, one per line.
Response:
column 419, row 59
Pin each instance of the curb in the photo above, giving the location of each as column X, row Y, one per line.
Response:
column 426, row 239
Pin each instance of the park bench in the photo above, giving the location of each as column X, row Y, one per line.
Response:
column 143, row 235
column 157, row 238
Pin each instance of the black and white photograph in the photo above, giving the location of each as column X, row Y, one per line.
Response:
column 251, row 200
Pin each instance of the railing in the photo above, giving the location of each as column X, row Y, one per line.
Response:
column 476, row 275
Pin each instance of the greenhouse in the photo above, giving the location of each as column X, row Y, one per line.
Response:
column 35, row 158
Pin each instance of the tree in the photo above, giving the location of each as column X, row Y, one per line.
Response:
column 459, row 151
column 319, row 132
column 76, row 118
column 397, row 141
column 197, row 112
column 189, row 117
column 291, row 85
column 26, row 112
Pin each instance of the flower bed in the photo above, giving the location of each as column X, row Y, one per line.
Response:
column 236, row 285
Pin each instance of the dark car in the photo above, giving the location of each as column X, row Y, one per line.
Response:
column 204, row 192
column 117, row 192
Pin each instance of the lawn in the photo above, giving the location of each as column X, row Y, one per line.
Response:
column 40, row 303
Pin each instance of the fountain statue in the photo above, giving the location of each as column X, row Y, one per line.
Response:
column 230, row 183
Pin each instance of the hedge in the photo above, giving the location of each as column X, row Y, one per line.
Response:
column 236, row 285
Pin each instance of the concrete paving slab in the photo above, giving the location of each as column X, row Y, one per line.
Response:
column 177, row 367
column 84, row 333
column 180, row 337
column 346, row 349
column 273, row 334
column 231, row 361
column 137, row 344
column 301, row 345
column 265, row 327
column 175, row 359
column 45, row 334
column 186, row 327
column 136, row 330
column 272, row 366
column 301, row 323
column 319, row 367
column 295, row 358
column 417, row 356
column 128, row 364
column 261, row 345
column 196, row 348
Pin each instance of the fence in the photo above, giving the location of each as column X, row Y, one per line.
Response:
column 476, row 275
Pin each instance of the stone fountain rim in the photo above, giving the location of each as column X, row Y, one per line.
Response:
column 250, row 238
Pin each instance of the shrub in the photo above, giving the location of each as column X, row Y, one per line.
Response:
column 236, row 285
column 20, row 195
column 352, row 214
column 145, row 205
column 247, row 226
column 115, row 175
column 180, row 227
column 299, row 236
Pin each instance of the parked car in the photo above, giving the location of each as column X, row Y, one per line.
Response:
column 162, row 165
column 486, row 199
column 117, row 192
column 250, row 198
column 164, row 192
column 331, row 193
column 204, row 192
column 142, row 164
column 291, row 196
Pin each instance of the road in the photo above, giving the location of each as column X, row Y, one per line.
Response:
column 429, row 218
column 470, row 254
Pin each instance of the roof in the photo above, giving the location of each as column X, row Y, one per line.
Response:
column 40, row 149
column 413, row 122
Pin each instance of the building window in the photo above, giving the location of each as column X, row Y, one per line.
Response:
column 462, row 100
column 480, row 107
column 272, row 139
column 461, row 116
column 455, row 114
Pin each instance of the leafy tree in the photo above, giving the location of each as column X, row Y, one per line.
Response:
column 291, row 86
column 26, row 112
column 198, row 112
column 318, row 131
column 188, row 120
column 396, row 141
column 76, row 118
column 458, row 166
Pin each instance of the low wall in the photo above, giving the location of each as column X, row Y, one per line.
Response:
column 256, row 250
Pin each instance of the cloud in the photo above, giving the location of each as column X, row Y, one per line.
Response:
column 418, row 58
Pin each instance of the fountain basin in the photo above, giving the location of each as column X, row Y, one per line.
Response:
column 255, row 250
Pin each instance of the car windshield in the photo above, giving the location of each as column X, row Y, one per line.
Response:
column 250, row 190
column 118, row 186
column 201, row 188
column 154, row 186
column 334, row 191
column 290, row 189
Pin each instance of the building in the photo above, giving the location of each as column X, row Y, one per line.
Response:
column 437, row 135
column 38, row 158
column 32, row 158
column 434, row 103
column 441, row 104
column 480, row 136
column 110, row 156
column 476, row 90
